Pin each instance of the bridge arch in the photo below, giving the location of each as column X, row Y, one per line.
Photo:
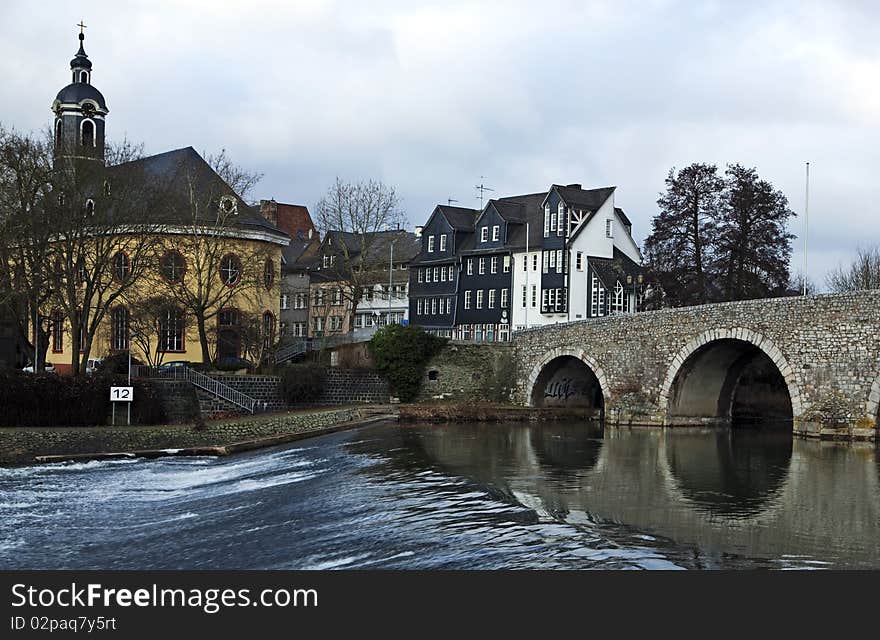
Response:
column 872, row 407
column 732, row 348
column 551, row 362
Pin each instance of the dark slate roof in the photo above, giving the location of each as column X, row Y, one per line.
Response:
column 510, row 210
column 79, row 91
column 533, row 213
column 296, row 251
column 622, row 216
column 81, row 60
column 174, row 168
column 610, row 270
column 589, row 199
column 461, row 218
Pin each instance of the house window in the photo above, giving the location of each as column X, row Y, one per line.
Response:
column 419, row 307
column 120, row 329
column 442, row 274
column 482, row 268
column 617, row 302
column 484, row 234
column 559, row 261
column 121, row 266
column 285, row 302
column 171, row 330
column 504, row 298
column 552, row 221
column 433, row 306
column 506, row 262
column 545, row 299
column 552, row 260
column 597, row 297
column 525, row 296
column 609, row 228
column 491, row 298
column 479, row 298
column 230, row 270
column 470, row 266
column 560, row 227
column 81, row 271
column 534, row 295
column 546, row 220
column 579, row 261
column 467, row 299
column 526, row 262
column 494, row 265
column 546, row 264
column 496, row 230
column 430, row 244
column 443, row 242
column 420, row 275
column 318, row 325
column 427, row 274
column 503, row 332
column 172, row 265
column 436, row 274
column 535, row 262
column 337, row 297
column 268, row 274
column 451, row 273
column 299, row 329
column 57, row 332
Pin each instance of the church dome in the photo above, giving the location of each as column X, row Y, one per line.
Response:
column 79, row 91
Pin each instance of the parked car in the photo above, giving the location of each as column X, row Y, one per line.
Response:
column 49, row 368
column 92, row 364
column 167, row 366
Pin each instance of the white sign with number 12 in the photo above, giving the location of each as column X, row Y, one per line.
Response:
column 121, row 394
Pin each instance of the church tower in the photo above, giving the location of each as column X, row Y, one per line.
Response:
column 79, row 112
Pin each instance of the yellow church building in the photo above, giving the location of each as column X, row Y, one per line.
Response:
column 192, row 275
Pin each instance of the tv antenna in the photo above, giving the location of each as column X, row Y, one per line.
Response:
column 482, row 188
column 449, row 201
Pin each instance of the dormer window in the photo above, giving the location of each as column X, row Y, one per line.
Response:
column 228, row 205
column 430, row 244
column 560, row 219
column 443, row 242
column 484, row 234
column 495, row 232
column 546, row 220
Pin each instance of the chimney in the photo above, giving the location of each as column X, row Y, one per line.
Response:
column 419, row 231
column 574, row 185
column 269, row 210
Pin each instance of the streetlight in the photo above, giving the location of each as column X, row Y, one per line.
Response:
column 635, row 283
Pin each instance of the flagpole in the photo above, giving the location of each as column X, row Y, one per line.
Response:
column 806, row 223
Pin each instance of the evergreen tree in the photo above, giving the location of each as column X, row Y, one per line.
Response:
column 753, row 242
column 680, row 248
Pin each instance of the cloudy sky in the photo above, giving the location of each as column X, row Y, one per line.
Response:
column 429, row 96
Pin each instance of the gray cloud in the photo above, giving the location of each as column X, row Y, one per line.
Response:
column 428, row 96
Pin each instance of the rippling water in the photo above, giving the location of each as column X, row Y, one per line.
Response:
column 459, row 496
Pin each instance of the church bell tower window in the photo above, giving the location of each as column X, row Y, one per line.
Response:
column 88, row 133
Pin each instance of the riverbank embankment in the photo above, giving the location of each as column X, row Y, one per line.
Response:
column 26, row 445
column 478, row 412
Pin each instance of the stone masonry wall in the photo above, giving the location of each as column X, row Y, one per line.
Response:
column 343, row 386
column 471, row 372
column 826, row 347
column 21, row 444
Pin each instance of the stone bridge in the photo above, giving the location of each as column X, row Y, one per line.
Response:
column 813, row 362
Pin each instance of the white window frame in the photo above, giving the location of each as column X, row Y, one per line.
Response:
column 467, row 299
column 484, row 234
column 504, row 296
column 496, row 230
column 493, row 264
column 442, row 242
column 505, row 266
column 470, row 266
column 481, row 266
column 431, row 244
column 491, row 304
column 547, row 220
column 479, row 298
column 560, row 216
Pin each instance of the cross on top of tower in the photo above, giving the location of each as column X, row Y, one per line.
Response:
column 81, row 27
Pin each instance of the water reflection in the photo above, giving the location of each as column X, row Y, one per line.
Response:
column 731, row 472
column 756, row 493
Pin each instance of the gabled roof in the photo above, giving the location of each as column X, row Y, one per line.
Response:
column 510, row 210
column 610, row 270
column 181, row 168
column 622, row 216
column 590, row 199
column 459, row 218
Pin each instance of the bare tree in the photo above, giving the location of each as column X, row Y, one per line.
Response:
column 353, row 217
column 220, row 269
column 104, row 221
column 146, row 328
column 862, row 273
column 25, row 237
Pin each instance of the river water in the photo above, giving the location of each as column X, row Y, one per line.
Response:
column 463, row 496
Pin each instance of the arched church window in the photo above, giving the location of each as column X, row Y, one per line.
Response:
column 230, row 270
column 88, row 133
column 57, row 131
column 90, row 207
column 83, row 76
column 121, row 266
column 268, row 273
column 173, row 266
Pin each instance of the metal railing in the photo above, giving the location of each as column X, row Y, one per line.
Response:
column 200, row 380
column 292, row 351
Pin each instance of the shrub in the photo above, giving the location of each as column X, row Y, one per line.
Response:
column 48, row 400
column 401, row 354
column 302, row 382
column 117, row 364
